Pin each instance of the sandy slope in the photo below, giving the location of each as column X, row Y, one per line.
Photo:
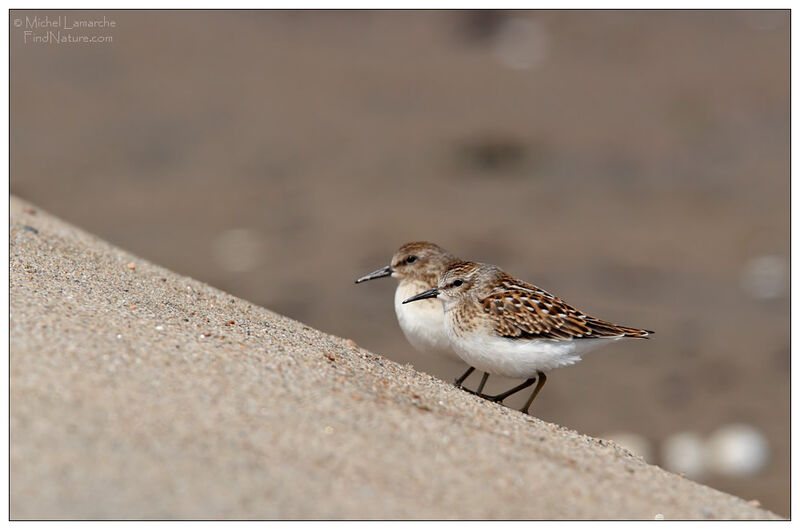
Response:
column 139, row 393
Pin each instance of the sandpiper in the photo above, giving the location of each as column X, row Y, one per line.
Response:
column 418, row 266
column 505, row 326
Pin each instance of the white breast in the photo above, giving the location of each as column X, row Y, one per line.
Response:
column 519, row 358
column 422, row 322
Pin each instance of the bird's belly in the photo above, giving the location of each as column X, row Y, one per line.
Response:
column 520, row 358
column 422, row 322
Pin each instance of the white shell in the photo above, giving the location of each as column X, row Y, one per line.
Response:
column 737, row 450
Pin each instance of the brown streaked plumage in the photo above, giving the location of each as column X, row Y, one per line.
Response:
column 520, row 310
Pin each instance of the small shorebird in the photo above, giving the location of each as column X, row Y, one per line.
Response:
column 418, row 266
column 504, row 326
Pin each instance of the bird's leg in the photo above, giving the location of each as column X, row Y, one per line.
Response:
column 500, row 397
column 542, row 378
column 463, row 377
column 483, row 382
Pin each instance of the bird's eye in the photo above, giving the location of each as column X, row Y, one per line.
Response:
column 411, row 259
column 458, row 283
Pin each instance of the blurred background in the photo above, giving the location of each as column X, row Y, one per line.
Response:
column 636, row 163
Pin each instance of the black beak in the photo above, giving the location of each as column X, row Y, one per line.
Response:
column 380, row 273
column 430, row 293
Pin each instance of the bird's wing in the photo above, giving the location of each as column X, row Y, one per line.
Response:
column 524, row 311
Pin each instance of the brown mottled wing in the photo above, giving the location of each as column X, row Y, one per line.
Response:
column 521, row 310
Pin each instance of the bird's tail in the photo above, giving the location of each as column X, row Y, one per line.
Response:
column 601, row 328
column 637, row 333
